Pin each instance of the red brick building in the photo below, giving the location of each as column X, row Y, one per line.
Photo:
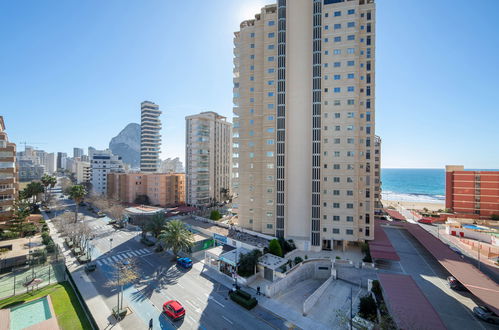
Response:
column 471, row 192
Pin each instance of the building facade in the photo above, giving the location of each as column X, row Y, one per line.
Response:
column 28, row 171
column 9, row 186
column 83, row 171
column 102, row 163
column 208, row 158
column 77, row 152
column 61, row 160
column 150, row 137
column 161, row 189
column 304, row 128
column 471, row 192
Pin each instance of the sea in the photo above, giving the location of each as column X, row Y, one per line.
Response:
column 413, row 184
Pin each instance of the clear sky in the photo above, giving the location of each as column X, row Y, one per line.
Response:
column 73, row 73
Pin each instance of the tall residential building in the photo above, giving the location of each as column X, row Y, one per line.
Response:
column 9, row 185
column 61, row 160
column 29, row 171
column 208, row 158
column 162, row 189
column 471, row 192
column 150, row 137
column 83, row 171
column 77, row 152
column 50, row 163
column 102, row 163
column 304, row 140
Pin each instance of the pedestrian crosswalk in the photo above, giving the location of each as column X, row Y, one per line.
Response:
column 122, row 256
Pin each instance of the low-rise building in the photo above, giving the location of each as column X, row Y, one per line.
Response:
column 163, row 189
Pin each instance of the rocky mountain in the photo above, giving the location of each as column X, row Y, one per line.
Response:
column 127, row 145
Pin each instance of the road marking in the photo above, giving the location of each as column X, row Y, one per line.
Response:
column 133, row 253
column 148, row 262
column 148, row 254
column 144, row 250
column 190, row 317
column 226, row 319
column 115, row 258
column 180, row 285
column 214, row 300
column 129, row 255
column 99, row 263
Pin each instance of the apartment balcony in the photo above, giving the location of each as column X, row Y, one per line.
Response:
column 10, row 159
column 7, row 191
column 9, row 201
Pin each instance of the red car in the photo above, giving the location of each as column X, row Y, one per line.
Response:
column 174, row 310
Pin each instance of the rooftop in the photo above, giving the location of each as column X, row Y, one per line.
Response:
column 143, row 209
column 232, row 257
column 271, row 261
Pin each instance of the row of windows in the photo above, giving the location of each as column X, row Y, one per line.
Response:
column 338, row 193
column 338, row 13
column 350, row 102
column 337, row 51
column 338, row 218
column 350, row 37
column 338, row 64
column 338, row 26
column 350, row 154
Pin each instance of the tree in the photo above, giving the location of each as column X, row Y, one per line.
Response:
column 246, row 264
column 215, row 215
column 176, row 237
column 225, row 194
column 21, row 212
column 48, row 180
column 155, row 224
column 494, row 217
column 142, row 200
column 275, row 248
column 32, row 190
column 368, row 308
column 77, row 193
column 66, row 185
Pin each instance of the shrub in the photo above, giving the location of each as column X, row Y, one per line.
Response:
column 298, row 260
column 367, row 258
column 51, row 246
column 215, row 215
column 364, row 247
column 494, row 217
column 367, row 308
column 159, row 248
column 338, row 258
column 306, row 257
column 376, row 289
column 6, row 235
column 146, row 242
column 246, row 303
column 247, row 263
column 243, row 294
column 286, row 246
column 275, row 248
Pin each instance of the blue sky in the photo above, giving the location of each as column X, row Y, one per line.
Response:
column 73, row 73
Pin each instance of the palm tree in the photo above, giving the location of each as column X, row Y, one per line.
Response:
column 155, row 224
column 48, row 180
column 33, row 189
column 176, row 237
column 77, row 193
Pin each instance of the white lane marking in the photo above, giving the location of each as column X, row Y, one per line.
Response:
column 226, row 319
column 144, row 250
column 99, row 263
column 199, row 300
column 129, row 255
column 190, row 317
column 180, row 285
column 214, row 300
column 106, row 261
column 148, row 262
column 133, row 253
column 115, row 259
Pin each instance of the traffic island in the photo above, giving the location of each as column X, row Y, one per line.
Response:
column 243, row 298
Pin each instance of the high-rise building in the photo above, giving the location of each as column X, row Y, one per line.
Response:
column 61, row 160
column 83, row 171
column 77, row 152
column 102, row 163
column 163, row 189
column 150, row 137
column 208, row 158
column 304, row 127
column 471, row 192
column 9, row 185
column 50, row 163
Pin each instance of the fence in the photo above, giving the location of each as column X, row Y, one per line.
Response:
column 14, row 283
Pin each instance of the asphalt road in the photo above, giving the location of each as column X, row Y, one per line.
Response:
column 454, row 307
column 205, row 301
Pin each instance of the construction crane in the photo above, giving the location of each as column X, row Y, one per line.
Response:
column 31, row 144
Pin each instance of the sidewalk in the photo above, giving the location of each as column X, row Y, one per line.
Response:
column 290, row 318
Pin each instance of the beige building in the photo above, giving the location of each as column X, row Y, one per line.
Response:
column 208, row 158
column 161, row 189
column 150, row 137
column 83, row 171
column 304, row 142
column 9, row 185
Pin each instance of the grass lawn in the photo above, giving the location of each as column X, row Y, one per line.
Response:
column 70, row 314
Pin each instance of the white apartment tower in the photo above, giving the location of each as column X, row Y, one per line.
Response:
column 102, row 162
column 304, row 140
column 150, row 137
column 208, row 158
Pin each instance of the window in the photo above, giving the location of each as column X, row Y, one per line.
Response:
column 350, row 76
column 337, row 102
column 350, row 115
column 251, row 154
column 336, row 154
column 351, row 37
column 252, row 34
column 337, row 51
column 337, row 64
column 326, row 27
column 350, row 63
column 349, row 192
column 351, row 24
column 336, row 231
column 270, row 47
column 270, row 166
column 337, row 141
column 252, row 99
column 270, row 58
column 351, row 11
column 349, row 205
column 270, row 141
column 325, row 65
column 269, row 225
column 252, row 89
column 337, row 26
column 251, row 122
column 336, row 179
column 251, row 133
column 336, row 218
column 270, row 118
column 252, row 78
column 350, row 88
column 271, row 70
column 336, row 205
column 350, row 128
column 252, row 45
column 349, row 218
column 270, row 154
column 337, row 39
column 337, row 77
column 337, row 13
column 336, row 167
column 270, row 94
column 337, row 115
column 351, row 51
column 270, row 82
column 336, row 192
column 350, row 140
column 252, row 56
column 326, row 40
column 270, row 106
column 271, row 35
column 349, row 231
column 252, row 67
column 337, row 89
column 270, row 23
column 350, row 102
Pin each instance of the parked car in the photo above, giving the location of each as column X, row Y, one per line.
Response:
column 184, row 263
column 174, row 310
column 100, row 214
column 484, row 313
column 455, row 284
column 90, row 267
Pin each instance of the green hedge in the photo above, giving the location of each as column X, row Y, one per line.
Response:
column 246, row 303
column 244, row 294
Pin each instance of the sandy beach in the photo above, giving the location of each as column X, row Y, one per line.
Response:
column 415, row 205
